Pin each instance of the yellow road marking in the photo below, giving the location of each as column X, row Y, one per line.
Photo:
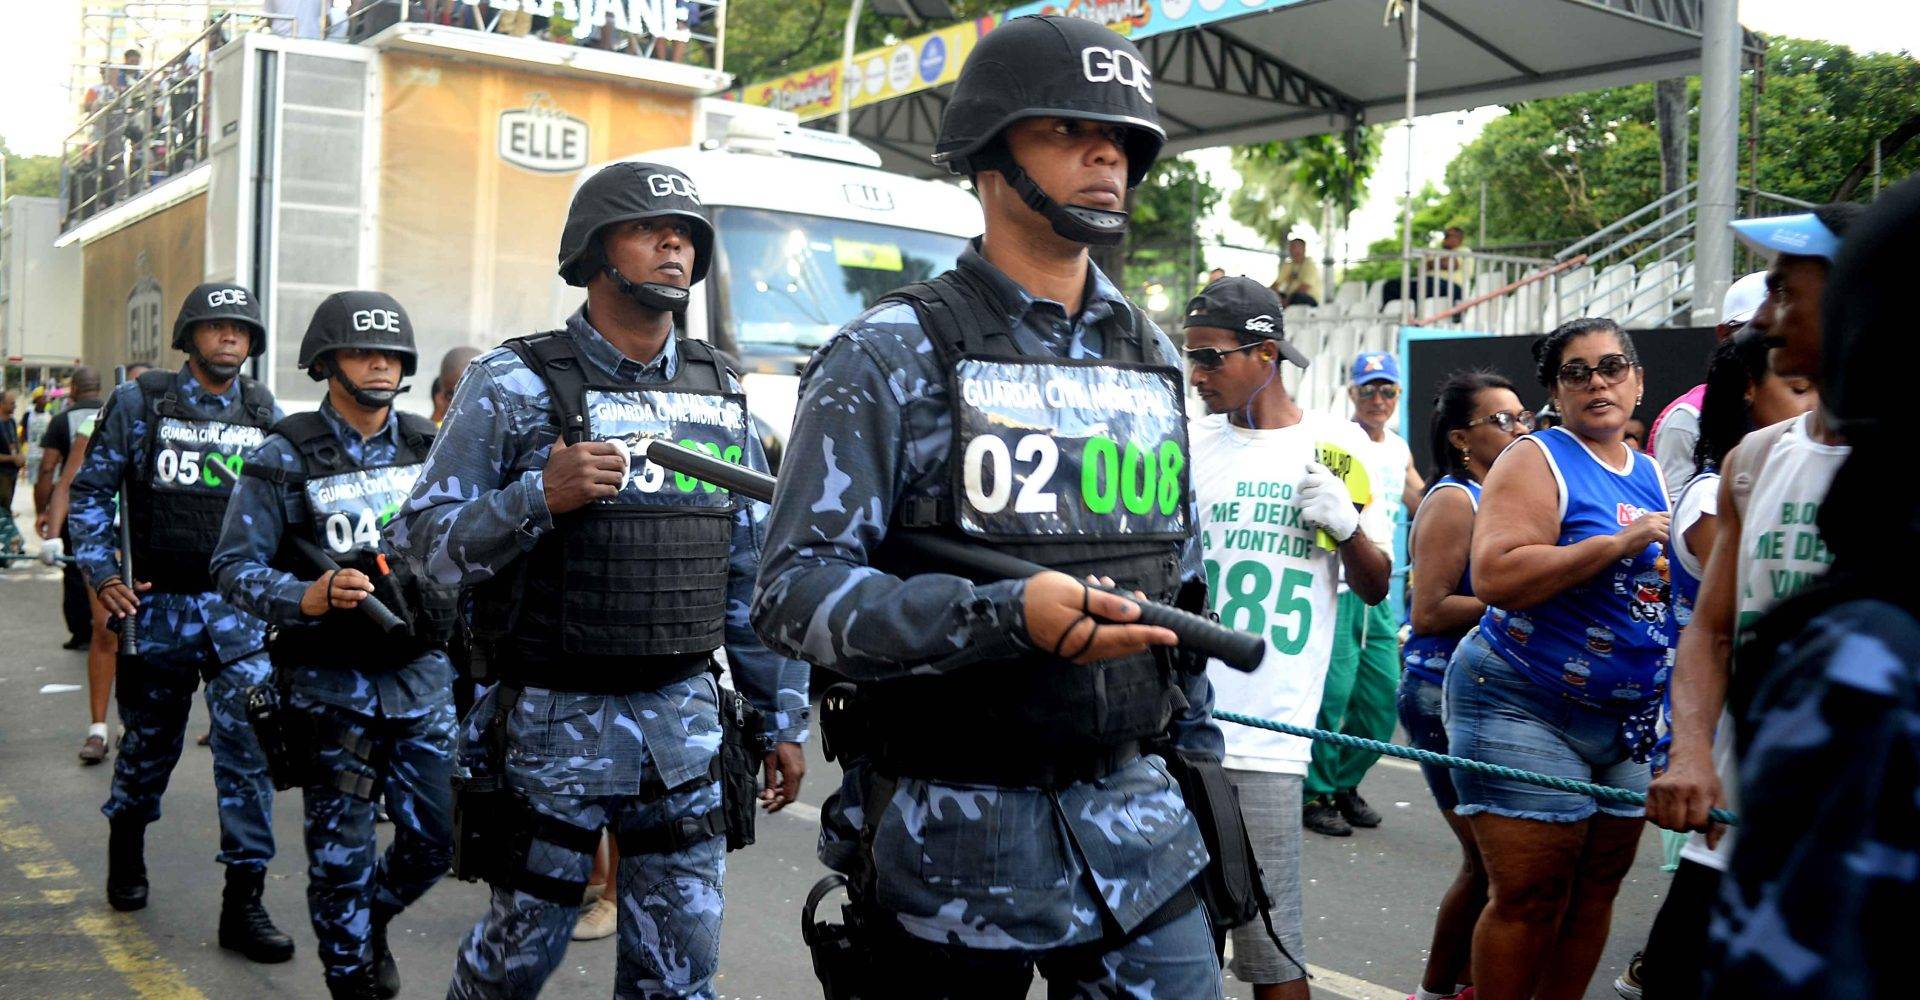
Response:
column 62, row 910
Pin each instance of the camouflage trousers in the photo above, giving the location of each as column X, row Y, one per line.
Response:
column 155, row 693
column 669, row 903
column 359, row 759
column 1173, row 960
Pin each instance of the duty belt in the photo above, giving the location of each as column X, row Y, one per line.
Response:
column 1010, row 770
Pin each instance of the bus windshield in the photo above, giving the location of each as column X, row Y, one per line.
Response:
column 792, row 280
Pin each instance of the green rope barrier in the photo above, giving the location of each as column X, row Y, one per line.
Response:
column 1605, row 793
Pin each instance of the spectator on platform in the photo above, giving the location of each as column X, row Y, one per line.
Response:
column 1216, row 274
column 1298, row 282
column 129, row 71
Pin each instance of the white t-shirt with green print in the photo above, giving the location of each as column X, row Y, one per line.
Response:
column 1265, row 575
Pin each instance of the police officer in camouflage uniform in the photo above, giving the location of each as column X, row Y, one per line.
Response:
column 602, row 587
column 175, row 443
column 998, row 810
column 380, row 702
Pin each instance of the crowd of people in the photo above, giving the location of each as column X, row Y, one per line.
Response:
column 339, row 579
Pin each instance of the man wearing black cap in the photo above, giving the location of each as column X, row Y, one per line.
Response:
column 996, row 811
column 602, row 586
column 1827, row 697
column 173, row 444
column 1276, row 527
column 379, row 702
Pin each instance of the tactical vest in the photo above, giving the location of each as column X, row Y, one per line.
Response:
column 1079, row 466
column 348, row 505
column 627, row 593
column 178, row 500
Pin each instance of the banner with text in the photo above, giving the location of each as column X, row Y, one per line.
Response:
column 933, row 59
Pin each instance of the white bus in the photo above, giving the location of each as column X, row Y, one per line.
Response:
column 808, row 233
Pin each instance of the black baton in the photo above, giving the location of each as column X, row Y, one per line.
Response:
column 1240, row 650
column 129, row 631
column 380, row 613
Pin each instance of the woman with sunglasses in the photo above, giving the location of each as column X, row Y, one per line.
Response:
column 1476, row 414
column 1563, row 674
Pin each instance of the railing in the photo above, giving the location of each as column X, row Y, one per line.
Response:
column 1641, row 273
column 1503, row 290
column 648, row 28
column 140, row 132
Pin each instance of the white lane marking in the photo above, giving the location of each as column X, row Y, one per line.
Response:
column 1351, row 987
column 800, row 810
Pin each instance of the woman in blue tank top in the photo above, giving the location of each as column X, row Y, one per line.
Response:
column 1476, row 414
column 1563, row 674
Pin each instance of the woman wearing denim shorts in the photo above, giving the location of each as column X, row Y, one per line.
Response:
column 1564, row 673
column 1475, row 416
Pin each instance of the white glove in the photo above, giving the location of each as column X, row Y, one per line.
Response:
column 1326, row 505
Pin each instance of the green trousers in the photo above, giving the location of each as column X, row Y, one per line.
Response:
column 1362, row 679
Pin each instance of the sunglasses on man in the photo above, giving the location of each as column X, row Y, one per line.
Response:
column 1384, row 390
column 1211, row 358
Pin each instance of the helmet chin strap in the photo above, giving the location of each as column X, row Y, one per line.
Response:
column 372, row 399
column 1093, row 226
column 223, row 373
column 650, row 294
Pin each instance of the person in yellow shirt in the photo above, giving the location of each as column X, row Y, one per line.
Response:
column 1298, row 283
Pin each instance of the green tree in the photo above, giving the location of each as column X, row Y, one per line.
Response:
column 1559, row 168
column 35, row 176
column 1167, row 208
column 1284, row 183
column 766, row 38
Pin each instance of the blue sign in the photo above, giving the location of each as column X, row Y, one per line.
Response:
column 933, row 59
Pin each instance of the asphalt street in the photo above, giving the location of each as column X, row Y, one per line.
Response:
column 1369, row 899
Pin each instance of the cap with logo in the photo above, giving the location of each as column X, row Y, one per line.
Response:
column 365, row 320
column 1243, row 306
column 1374, row 366
column 627, row 192
column 220, row 300
column 1801, row 235
column 1051, row 67
column 1743, row 298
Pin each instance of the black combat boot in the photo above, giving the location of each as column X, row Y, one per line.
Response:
column 363, row 985
column 386, row 971
column 126, row 864
column 244, row 924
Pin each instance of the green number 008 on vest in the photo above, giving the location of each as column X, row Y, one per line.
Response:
column 1069, row 449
